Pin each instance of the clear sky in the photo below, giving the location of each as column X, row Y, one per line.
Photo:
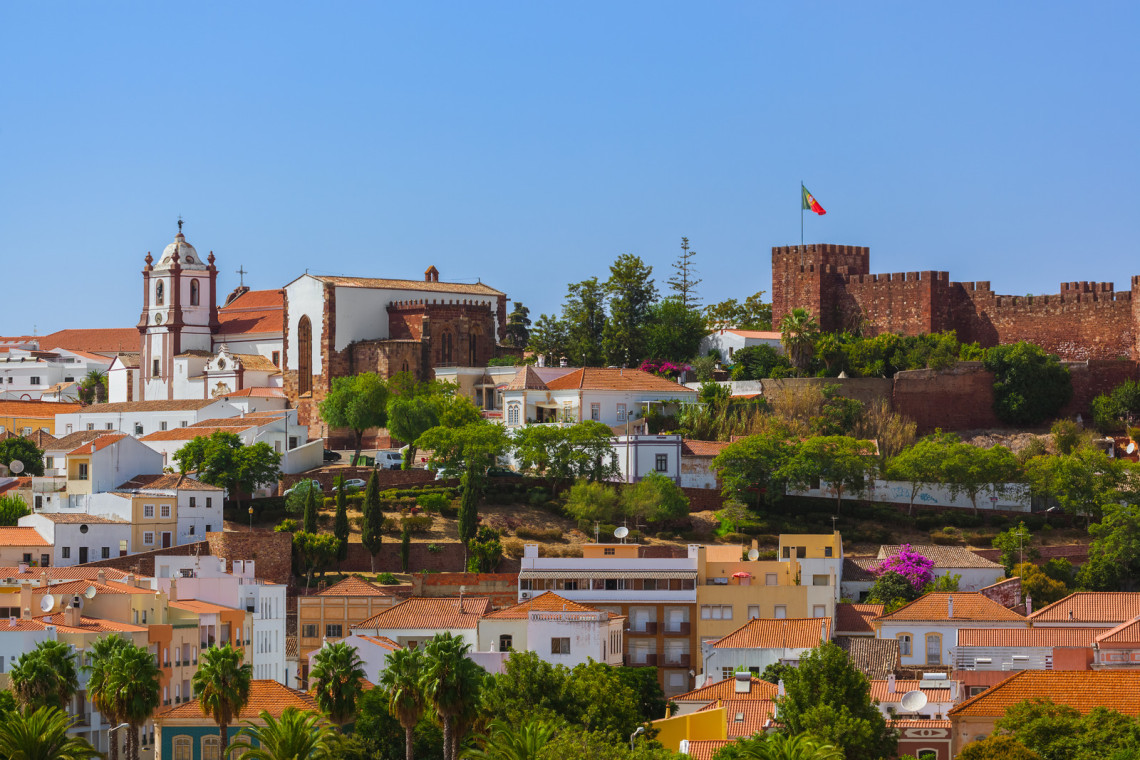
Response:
column 530, row 143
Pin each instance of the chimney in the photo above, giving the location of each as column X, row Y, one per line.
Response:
column 129, row 580
column 22, row 567
column 25, row 600
column 1070, row 614
column 950, row 607
column 743, row 683
column 172, row 594
column 1028, row 606
column 780, row 688
column 12, row 621
column 890, row 683
column 71, row 616
column 101, row 576
column 43, row 579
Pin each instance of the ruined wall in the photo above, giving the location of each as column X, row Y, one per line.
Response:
column 960, row 398
column 271, row 552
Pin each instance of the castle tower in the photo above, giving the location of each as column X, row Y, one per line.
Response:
column 808, row 277
column 179, row 313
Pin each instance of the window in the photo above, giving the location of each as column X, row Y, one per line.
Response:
column 211, row 747
column 512, row 414
column 818, row 611
column 506, row 642
column 560, row 646
column 821, row 580
column 34, row 380
column 159, row 294
column 595, row 411
column 609, row 551
column 155, row 366
column 183, row 745
column 148, row 510
column 753, row 611
column 621, row 412
column 904, row 644
column 83, row 471
column 276, row 359
column 68, row 379
column 933, row 649
column 162, row 425
column 182, row 424
column 827, row 551
column 193, row 292
column 781, row 611
column 193, row 501
column 138, row 429
column 333, row 630
column 39, row 501
column 662, row 463
column 770, row 579
column 976, row 690
column 309, row 630
column 191, row 530
column 105, row 553
column 716, row 612
column 304, row 356
column 65, row 552
column 209, row 502
column 148, row 538
column 209, row 528
column 109, row 426
column 49, row 462
column 164, row 510
column 90, row 425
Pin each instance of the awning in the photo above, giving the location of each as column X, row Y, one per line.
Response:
column 604, row 574
column 742, row 575
column 545, row 405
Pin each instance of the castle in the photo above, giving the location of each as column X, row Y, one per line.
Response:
column 1086, row 320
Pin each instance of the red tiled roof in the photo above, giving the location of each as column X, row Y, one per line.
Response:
column 197, row 605
column 65, row 573
column 545, row 602
column 167, row 482
column 762, row 334
column 164, row 405
column 690, row 448
column 856, row 618
column 80, row 586
column 1028, row 637
column 879, row 691
column 745, row 717
column 266, row 695
column 90, row 625
column 705, row 749
column 526, row 379
column 1082, row 690
column 98, row 341
column 37, row 409
column 72, row 440
column 605, row 379
column 874, row 658
column 1091, row 607
column 943, row 556
column 430, row 613
column 968, row 606
column 21, row 537
column 79, row 519
column 259, row 392
column 1125, row 633
column 98, row 444
column 382, row 641
column 414, row 285
column 256, row 299
column 726, row 689
column 354, row 586
column 768, row 633
column 191, row 432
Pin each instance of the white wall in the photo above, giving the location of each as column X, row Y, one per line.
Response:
column 637, row 456
column 151, row 421
column 114, row 465
column 72, row 537
column 305, row 297
column 1014, row 499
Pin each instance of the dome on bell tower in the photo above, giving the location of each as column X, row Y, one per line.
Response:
column 187, row 255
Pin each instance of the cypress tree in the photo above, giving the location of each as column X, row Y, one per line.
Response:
column 405, row 549
column 311, row 509
column 468, row 508
column 340, row 524
column 372, row 520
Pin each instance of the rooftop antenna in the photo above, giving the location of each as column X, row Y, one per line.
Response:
column 621, row 533
column 47, row 603
column 595, row 531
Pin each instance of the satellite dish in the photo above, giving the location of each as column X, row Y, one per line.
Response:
column 89, row 593
column 913, row 701
column 621, row 532
column 16, row 466
column 1131, row 449
column 47, row 603
column 753, row 554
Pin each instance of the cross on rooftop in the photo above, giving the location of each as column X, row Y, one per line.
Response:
column 180, row 224
column 242, row 273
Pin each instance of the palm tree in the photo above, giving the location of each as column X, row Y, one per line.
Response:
column 450, row 683
column 401, row 683
column 222, row 685
column 799, row 331
column 132, row 685
column 41, row 734
column 338, row 673
column 781, row 747
column 295, row 736
column 46, row 676
column 503, row 742
column 100, row 656
column 93, row 387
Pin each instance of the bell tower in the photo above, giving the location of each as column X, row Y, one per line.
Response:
column 179, row 314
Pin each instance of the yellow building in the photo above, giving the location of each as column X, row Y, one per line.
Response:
column 332, row 612
column 154, row 519
column 23, row 546
column 26, row 417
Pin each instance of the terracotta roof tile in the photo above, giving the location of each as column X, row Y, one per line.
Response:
column 726, row 689
column 705, row 749
column 1125, row 633
column 880, row 691
column 165, row 405
column 21, row 537
column 259, row 392
column 745, row 717
column 62, row 573
column 1063, row 636
column 919, row 723
column 256, row 299
column 943, row 556
column 858, row 569
column 354, row 586
column 767, row 633
column 874, row 658
column 1080, row 689
column 1091, row 607
column 605, row 379
column 526, row 379
column 190, row 432
column 545, row 602
column 856, row 618
column 167, row 482
column 382, row 641
column 414, row 285
column 79, row 586
column 256, row 363
column 968, row 606
column 72, row 440
column 129, row 360
column 201, row 607
column 90, row 625
column 762, row 334
column 690, row 448
column 98, row 444
column 99, row 341
column 37, row 409
column 68, row 519
column 292, row 646
column 269, row 696
column 430, row 613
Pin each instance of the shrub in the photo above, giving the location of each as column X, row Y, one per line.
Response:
column 593, row 501
column 513, row 548
column 433, row 502
column 1030, row 385
column 537, row 497
column 946, row 537
column 417, row 523
column 387, row 579
column 434, row 548
column 288, row 525
column 734, row 538
column 767, row 555
column 539, row 534
column 665, row 535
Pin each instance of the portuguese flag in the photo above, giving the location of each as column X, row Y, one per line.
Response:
column 810, row 203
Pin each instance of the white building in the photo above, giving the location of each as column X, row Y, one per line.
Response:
column 206, row 579
column 197, row 505
column 373, row 651
column 975, row 571
column 762, row 642
column 29, row 374
column 730, row 340
column 278, row 429
column 927, row 628
column 80, row 538
column 138, row 418
column 820, row 565
column 413, row 621
column 558, row 630
column 639, row 455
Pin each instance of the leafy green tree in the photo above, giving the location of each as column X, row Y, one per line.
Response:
column 759, row 362
column 799, row 330
column 42, row 734
column 576, row 742
column 1116, row 542
column 754, row 314
column 12, row 508
column 893, row 591
column 1030, row 386
column 584, row 315
column 631, row 294
column 518, row 326
column 372, row 520
column 402, row 687
column 45, row 677
column 221, row 459
column 588, row 502
column 654, row 498
column 295, row 735
column 563, row 453
column 684, row 281
column 340, row 522
column 408, row 419
column 997, row 747
column 132, row 683
column 921, row 465
column 1066, row 436
column 314, row 552
column 100, row 658
column 1014, row 544
column 93, row 387
column 451, row 684
column 338, row 681
column 222, row 684
column 673, row 331
column 969, row 470
column 1060, row 732
column 356, row 402
column 827, row 698
column 550, row 337
column 486, row 550
column 649, row 696
column 1117, row 409
column 779, row 747
column 845, row 463
column 775, row 672
column 22, row 449
column 1039, row 586
column 502, row 741
column 1079, row 482
column 751, row 469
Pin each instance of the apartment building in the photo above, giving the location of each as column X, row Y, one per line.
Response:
column 331, row 613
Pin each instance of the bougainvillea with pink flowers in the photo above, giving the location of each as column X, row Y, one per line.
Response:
column 663, row 368
column 917, row 569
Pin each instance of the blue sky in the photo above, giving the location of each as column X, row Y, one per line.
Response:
column 529, row 144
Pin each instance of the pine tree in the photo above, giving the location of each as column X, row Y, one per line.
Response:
column 684, row 282
column 310, row 519
column 518, row 326
column 631, row 294
column 372, row 520
column 340, row 523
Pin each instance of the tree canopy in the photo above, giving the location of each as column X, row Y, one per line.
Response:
column 357, row 402
column 23, row 450
column 221, row 459
column 1030, row 386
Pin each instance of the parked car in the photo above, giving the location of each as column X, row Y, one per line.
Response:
column 352, row 485
column 389, row 460
column 303, row 485
column 332, row 456
column 502, row 472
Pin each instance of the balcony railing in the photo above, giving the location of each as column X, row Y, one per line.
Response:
column 681, row 629
column 677, row 660
column 640, row 660
column 647, row 627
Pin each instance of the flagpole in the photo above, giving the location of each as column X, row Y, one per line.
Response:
column 801, row 221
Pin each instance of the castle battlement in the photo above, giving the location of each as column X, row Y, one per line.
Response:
column 899, row 277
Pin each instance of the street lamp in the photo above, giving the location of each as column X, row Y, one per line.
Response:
column 113, row 730
column 251, row 519
column 640, row 730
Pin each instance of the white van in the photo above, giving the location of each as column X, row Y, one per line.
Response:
column 389, row 460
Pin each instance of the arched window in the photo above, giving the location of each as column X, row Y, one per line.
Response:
column 904, row 644
column 211, row 748
column 304, row 356
column 159, row 294
column 473, row 353
column 512, row 414
column 445, row 346
column 183, row 748
column 404, row 366
column 193, row 292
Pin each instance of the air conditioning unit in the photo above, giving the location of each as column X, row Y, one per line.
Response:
column 524, row 595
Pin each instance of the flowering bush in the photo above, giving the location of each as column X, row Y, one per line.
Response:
column 917, row 569
column 664, row 368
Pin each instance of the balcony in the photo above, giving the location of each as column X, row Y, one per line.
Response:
column 677, row 660
column 678, row 629
column 166, row 664
column 648, row 628
column 638, row 660
column 83, row 719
